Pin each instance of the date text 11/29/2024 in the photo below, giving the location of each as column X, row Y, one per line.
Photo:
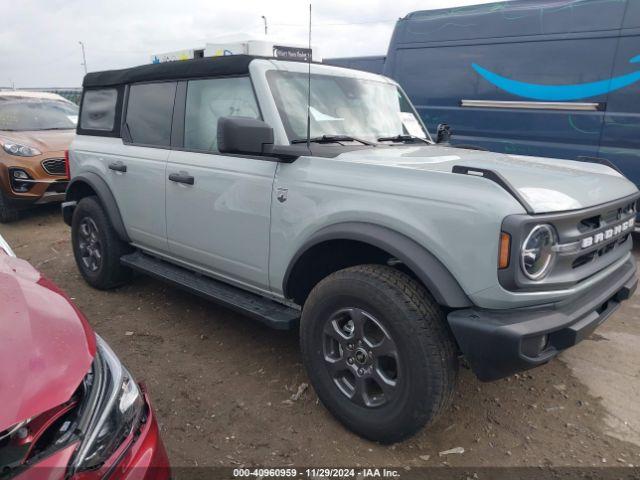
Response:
column 316, row 473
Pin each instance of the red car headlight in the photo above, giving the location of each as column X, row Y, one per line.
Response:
column 113, row 408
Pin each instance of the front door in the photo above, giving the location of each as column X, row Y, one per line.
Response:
column 218, row 206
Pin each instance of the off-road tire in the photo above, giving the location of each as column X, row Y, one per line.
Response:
column 426, row 350
column 110, row 273
column 7, row 212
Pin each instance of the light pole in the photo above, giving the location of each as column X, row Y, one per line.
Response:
column 265, row 24
column 84, row 58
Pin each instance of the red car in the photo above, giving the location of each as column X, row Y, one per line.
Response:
column 68, row 407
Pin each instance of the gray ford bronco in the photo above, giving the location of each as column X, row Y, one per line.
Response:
column 394, row 254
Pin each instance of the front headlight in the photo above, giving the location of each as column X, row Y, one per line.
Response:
column 113, row 408
column 537, row 253
column 20, row 150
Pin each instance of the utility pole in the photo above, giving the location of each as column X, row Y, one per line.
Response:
column 265, row 24
column 84, row 58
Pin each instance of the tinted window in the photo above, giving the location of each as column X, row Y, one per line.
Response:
column 99, row 109
column 207, row 101
column 149, row 113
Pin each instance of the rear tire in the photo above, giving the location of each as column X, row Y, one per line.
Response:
column 97, row 247
column 7, row 212
column 378, row 352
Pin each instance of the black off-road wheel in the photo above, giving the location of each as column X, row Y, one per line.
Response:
column 97, row 247
column 8, row 213
column 378, row 352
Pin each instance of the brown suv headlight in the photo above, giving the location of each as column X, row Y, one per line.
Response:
column 20, row 150
column 537, row 254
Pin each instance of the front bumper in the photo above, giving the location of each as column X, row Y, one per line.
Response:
column 44, row 187
column 498, row 343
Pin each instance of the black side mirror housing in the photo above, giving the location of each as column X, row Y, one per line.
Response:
column 443, row 133
column 249, row 136
column 244, row 135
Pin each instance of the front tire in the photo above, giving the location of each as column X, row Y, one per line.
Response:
column 96, row 246
column 378, row 352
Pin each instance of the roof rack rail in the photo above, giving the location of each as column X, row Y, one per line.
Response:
column 497, row 178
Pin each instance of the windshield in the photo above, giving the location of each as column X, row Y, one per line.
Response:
column 18, row 114
column 366, row 109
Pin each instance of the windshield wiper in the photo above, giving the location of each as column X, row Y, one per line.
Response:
column 332, row 139
column 404, row 138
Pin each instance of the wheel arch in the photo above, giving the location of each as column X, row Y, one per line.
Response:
column 88, row 184
column 368, row 241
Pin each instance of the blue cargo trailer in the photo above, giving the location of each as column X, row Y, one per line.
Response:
column 372, row 63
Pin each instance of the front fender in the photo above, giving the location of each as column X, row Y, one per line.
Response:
column 435, row 276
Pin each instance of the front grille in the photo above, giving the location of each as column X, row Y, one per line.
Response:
column 54, row 166
column 595, row 239
column 589, row 240
column 600, row 252
column 608, row 217
column 592, row 226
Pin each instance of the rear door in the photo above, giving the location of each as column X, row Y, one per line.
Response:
column 218, row 206
column 136, row 170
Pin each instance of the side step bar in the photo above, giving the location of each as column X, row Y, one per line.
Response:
column 273, row 314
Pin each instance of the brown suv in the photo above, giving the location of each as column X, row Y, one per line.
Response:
column 35, row 131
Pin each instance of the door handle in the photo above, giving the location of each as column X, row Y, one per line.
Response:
column 118, row 167
column 182, row 177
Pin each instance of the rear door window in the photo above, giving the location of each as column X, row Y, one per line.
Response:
column 149, row 114
column 210, row 99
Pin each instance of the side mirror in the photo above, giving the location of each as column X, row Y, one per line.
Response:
column 443, row 133
column 244, row 135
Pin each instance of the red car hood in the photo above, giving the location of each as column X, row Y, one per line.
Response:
column 46, row 345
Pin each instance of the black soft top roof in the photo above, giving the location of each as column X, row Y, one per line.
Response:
column 199, row 67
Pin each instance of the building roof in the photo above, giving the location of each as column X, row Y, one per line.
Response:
column 198, row 67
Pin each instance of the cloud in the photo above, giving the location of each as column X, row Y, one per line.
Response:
column 39, row 41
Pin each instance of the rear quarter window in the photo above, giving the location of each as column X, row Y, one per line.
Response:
column 99, row 110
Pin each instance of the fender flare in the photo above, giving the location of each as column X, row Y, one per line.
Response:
column 433, row 274
column 106, row 197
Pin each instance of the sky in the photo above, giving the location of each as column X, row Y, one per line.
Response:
column 39, row 38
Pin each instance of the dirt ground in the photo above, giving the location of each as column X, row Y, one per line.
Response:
column 222, row 384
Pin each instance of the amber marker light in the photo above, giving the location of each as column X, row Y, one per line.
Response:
column 505, row 250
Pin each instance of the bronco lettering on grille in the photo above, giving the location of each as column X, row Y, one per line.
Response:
column 607, row 234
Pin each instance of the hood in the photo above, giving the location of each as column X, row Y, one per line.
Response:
column 46, row 345
column 43, row 140
column 548, row 185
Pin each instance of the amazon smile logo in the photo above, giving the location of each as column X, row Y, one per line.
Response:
column 559, row 93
